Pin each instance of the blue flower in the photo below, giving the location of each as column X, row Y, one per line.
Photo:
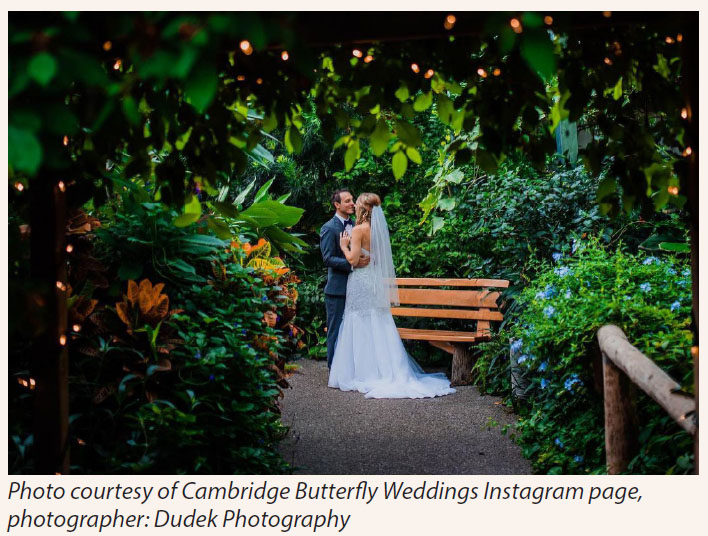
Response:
column 568, row 294
column 264, row 298
column 559, row 443
column 546, row 294
column 578, row 459
column 211, row 377
column 683, row 282
column 197, row 355
column 243, row 332
column 574, row 246
column 549, row 311
column 675, row 306
column 671, row 271
column 562, row 271
column 557, row 256
column 544, row 383
column 572, row 381
column 517, row 345
column 543, row 366
column 646, row 287
column 686, row 272
column 522, row 358
column 651, row 260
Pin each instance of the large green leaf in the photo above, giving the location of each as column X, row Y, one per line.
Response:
column 287, row 216
column 537, row 50
column 200, row 86
column 293, row 140
column 261, row 216
column 423, row 101
column 227, row 210
column 399, row 164
column 407, row 133
column 42, row 67
column 351, row 155
column 188, row 218
column 262, row 192
column 24, row 150
column 379, row 138
column 281, row 237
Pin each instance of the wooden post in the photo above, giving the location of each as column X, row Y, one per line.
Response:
column 620, row 418
column 462, row 363
column 49, row 355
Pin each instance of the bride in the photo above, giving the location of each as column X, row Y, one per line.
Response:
column 369, row 356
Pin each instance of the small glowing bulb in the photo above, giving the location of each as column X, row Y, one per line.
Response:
column 19, row 186
column 679, row 37
column 687, row 151
column 62, row 186
column 22, row 382
column 284, row 55
column 429, row 73
column 673, row 190
column 496, row 71
column 516, row 26
column 669, row 40
column 548, row 20
column 61, row 286
column 684, row 114
column 259, row 81
column 368, row 59
column 246, row 47
column 32, row 383
column 481, row 72
column 240, row 78
column 107, row 46
column 65, row 141
column 607, row 14
column 608, row 61
column 69, row 248
column 415, row 68
column 694, row 351
column 76, row 327
column 357, row 53
column 62, row 340
column 450, row 21
column 117, row 64
column 80, row 441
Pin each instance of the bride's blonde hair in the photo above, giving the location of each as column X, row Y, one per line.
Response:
column 365, row 203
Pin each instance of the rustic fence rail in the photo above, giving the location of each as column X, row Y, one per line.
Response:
column 623, row 365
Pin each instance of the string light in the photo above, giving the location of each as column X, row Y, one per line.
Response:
column 69, row 248
column 62, row 186
column 107, row 46
column 32, row 383
column 516, row 25
column 246, row 47
column 669, row 40
column 481, row 72
column 19, row 186
column 62, row 340
column 415, row 68
column 684, row 113
column 23, row 382
column 76, row 327
column 61, row 286
column 607, row 14
column 608, row 61
column 694, row 351
column 679, row 37
column 240, row 78
column 673, row 190
column 80, row 441
column 284, row 55
column 259, row 81
column 357, row 53
column 450, row 21
column 368, row 59
column 65, row 141
column 687, row 151
column 117, row 64
column 496, row 71
column 548, row 20
column 429, row 73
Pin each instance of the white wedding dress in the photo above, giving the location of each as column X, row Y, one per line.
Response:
column 369, row 356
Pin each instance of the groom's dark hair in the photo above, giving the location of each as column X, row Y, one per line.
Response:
column 337, row 195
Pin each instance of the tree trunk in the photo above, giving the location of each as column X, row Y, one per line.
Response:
column 49, row 356
column 461, row 366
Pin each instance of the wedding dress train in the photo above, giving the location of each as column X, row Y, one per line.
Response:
column 369, row 356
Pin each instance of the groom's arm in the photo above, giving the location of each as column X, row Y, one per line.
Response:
column 329, row 244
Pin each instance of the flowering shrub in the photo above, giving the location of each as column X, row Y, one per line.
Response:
column 561, row 428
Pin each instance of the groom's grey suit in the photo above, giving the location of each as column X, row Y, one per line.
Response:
column 338, row 270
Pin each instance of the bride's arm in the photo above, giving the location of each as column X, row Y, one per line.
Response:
column 353, row 252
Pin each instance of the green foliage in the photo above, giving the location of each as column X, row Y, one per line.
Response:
column 561, row 428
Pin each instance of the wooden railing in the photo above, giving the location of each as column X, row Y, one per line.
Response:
column 623, row 364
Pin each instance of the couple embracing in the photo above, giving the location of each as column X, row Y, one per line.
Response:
column 364, row 350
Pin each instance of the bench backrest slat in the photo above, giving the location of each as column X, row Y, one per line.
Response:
column 460, row 298
column 442, row 282
column 467, row 314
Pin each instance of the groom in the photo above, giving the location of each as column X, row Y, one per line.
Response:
column 338, row 268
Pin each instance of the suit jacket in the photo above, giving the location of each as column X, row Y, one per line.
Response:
column 338, row 267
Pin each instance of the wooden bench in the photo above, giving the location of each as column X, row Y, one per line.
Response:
column 479, row 305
